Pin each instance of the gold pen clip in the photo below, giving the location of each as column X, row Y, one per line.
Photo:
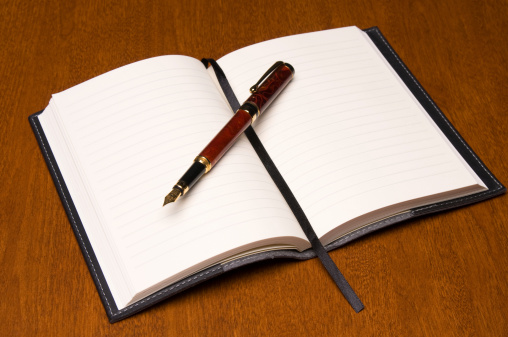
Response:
column 255, row 87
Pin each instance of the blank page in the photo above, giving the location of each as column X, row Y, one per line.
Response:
column 346, row 134
column 126, row 137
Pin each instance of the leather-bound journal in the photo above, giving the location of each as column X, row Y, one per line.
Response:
column 359, row 144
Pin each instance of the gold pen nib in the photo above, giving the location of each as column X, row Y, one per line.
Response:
column 172, row 196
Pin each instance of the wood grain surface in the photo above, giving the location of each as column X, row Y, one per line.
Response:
column 441, row 275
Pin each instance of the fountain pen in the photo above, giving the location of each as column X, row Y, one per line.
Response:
column 262, row 94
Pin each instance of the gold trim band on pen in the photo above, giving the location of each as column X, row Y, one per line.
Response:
column 252, row 108
column 182, row 186
column 204, row 161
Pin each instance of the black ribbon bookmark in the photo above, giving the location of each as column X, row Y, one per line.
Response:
column 317, row 246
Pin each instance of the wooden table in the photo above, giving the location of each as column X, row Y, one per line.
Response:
column 442, row 275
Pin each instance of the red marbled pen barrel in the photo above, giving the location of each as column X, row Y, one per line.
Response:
column 272, row 83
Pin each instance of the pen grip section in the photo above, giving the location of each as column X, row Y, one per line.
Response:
column 227, row 136
column 191, row 176
column 271, row 87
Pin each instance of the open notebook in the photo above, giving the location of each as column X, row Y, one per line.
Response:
column 352, row 140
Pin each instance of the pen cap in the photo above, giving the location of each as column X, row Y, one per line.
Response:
column 272, row 86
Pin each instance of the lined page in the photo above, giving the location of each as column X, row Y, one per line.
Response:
column 346, row 134
column 131, row 134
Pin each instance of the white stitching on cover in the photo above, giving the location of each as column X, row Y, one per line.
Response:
column 88, row 255
column 72, row 217
column 341, row 240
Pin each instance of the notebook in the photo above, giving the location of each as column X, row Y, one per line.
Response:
column 355, row 137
